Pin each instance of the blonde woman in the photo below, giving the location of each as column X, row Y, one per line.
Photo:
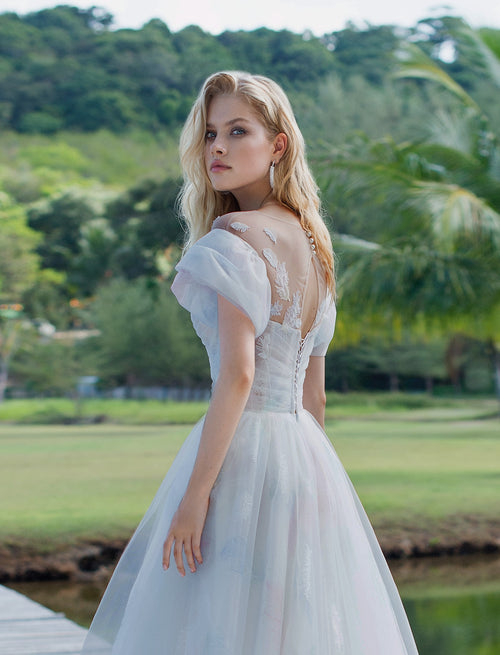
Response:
column 256, row 543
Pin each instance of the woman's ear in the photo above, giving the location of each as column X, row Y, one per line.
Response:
column 279, row 143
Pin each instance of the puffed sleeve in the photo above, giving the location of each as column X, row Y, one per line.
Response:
column 222, row 263
column 325, row 331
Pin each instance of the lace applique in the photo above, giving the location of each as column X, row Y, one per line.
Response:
column 321, row 311
column 276, row 308
column 260, row 386
column 245, row 507
column 240, row 227
column 283, row 474
column 337, row 628
column 270, row 234
column 262, row 346
column 282, row 281
column 271, row 257
column 292, row 315
column 305, row 579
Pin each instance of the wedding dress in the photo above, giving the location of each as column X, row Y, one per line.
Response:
column 291, row 565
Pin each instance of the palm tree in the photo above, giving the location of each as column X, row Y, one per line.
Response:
column 436, row 264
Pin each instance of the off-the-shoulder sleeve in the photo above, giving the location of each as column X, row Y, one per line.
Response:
column 325, row 331
column 222, row 263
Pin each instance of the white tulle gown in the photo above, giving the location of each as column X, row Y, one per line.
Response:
column 291, row 565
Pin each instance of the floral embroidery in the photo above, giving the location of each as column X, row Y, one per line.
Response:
column 283, row 475
column 276, row 308
column 270, row 234
column 292, row 315
column 321, row 311
column 305, row 580
column 271, row 257
column 262, row 346
column 245, row 507
column 260, row 387
column 282, row 281
column 337, row 628
column 240, row 227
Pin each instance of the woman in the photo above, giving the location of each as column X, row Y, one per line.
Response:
column 273, row 552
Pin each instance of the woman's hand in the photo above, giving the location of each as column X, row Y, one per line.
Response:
column 185, row 533
column 229, row 397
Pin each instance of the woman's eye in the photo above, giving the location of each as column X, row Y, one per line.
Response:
column 237, row 131
column 209, row 134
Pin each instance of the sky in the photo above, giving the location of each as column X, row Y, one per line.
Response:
column 318, row 16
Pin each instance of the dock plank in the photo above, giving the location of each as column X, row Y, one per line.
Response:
column 28, row 628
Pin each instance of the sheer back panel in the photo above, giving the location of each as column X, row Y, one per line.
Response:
column 297, row 281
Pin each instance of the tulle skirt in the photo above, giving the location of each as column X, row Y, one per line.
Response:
column 291, row 565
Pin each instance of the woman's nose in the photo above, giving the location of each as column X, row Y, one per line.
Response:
column 218, row 148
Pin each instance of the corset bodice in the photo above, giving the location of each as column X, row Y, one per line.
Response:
column 281, row 359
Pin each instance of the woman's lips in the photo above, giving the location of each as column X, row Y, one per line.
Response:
column 217, row 167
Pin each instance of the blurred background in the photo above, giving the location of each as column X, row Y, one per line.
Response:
column 101, row 374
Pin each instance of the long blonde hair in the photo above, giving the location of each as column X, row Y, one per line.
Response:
column 294, row 186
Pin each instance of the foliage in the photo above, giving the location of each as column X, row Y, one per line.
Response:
column 367, row 53
column 375, row 363
column 93, row 165
column 48, row 365
column 145, row 337
column 12, row 330
column 18, row 263
column 63, row 67
column 92, row 238
column 60, row 220
column 445, row 193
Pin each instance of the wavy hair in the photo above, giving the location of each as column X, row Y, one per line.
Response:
column 294, row 186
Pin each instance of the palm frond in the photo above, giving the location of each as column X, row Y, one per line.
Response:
column 457, row 132
column 414, row 281
column 414, row 63
column 487, row 43
column 456, row 212
column 354, row 244
column 446, row 158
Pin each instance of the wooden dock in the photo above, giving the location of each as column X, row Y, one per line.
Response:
column 28, row 628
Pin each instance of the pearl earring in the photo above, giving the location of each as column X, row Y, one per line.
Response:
column 271, row 175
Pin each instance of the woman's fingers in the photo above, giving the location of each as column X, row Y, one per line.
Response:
column 178, row 557
column 167, row 547
column 189, row 555
column 191, row 551
column 197, row 550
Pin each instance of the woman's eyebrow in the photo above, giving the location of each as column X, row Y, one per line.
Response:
column 232, row 121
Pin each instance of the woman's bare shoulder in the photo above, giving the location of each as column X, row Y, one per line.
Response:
column 237, row 222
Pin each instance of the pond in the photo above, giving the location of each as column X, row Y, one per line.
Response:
column 453, row 603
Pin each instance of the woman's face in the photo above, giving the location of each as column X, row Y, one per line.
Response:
column 238, row 150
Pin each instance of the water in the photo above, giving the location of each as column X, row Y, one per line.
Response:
column 453, row 604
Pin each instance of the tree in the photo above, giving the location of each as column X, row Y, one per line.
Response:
column 102, row 107
column 11, row 327
column 18, row 262
column 365, row 52
column 60, row 219
column 443, row 192
column 145, row 337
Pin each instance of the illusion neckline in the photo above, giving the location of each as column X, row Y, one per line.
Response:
column 281, row 220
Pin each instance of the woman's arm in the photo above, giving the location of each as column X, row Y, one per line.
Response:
column 314, row 398
column 230, row 395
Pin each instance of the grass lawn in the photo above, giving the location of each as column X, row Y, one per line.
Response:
column 419, row 466
column 126, row 412
column 152, row 412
